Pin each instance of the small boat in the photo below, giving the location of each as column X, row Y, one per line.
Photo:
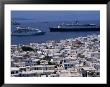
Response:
column 15, row 23
column 26, row 31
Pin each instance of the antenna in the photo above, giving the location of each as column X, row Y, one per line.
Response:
column 76, row 21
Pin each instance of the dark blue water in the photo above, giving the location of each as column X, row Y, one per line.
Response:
column 44, row 26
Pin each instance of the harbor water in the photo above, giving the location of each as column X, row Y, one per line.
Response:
column 44, row 26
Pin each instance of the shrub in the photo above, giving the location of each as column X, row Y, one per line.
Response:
column 26, row 48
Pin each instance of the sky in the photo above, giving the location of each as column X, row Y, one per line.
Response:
column 56, row 15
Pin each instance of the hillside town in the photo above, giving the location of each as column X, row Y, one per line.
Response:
column 73, row 57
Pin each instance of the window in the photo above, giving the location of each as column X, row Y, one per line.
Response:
column 12, row 72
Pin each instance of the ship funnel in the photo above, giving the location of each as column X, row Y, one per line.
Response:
column 17, row 28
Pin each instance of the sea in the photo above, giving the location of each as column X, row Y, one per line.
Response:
column 44, row 26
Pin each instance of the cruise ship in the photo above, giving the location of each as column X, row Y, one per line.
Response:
column 27, row 31
column 75, row 27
